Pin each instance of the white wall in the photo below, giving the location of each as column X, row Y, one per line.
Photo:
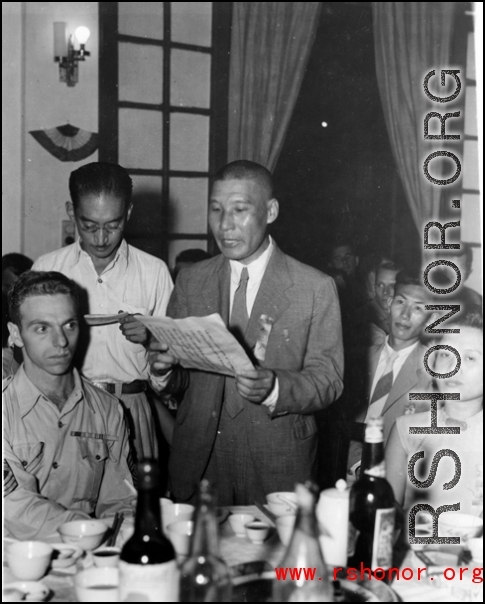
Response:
column 45, row 103
column 12, row 40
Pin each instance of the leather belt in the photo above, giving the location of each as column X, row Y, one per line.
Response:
column 129, row 388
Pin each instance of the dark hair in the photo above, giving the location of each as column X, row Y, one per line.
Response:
column 192, row 255
column 37, row 283
column 243, row 169
column 17, row 263
column 100, row 177
column 388, row 266
column 473, row 317
column 410, row 277
column 343, row 243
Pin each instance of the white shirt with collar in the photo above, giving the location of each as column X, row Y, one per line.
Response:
column 135, row 282
column 256, row 270
column 386, row 352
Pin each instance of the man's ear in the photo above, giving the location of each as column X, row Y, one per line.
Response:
column 70, row 210
column 128, row 211
column 15, row 334
column 273, row 210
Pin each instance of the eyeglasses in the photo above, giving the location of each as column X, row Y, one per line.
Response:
column 94, row 228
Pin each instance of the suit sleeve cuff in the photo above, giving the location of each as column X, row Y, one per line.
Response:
column 270, row 402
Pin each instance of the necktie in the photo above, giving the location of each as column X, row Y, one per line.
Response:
column 382, row 389
column 238, row 323
column 239, row 315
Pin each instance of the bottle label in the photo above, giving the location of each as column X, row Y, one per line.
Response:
column 149, row 583
column 379, row 471
column 383, row 538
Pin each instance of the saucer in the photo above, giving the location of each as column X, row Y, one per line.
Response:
column 66, row 554
column 34, row 591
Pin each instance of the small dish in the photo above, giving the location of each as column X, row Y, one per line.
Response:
column 257, row 531
column 34, row 591
column 65, row 554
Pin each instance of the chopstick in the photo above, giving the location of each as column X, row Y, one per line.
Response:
column 266, row 512
column 131, row 487
column 115, row 529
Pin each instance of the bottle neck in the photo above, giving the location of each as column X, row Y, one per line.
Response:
column 373, row 459
column 205, row 540
column 148, row 518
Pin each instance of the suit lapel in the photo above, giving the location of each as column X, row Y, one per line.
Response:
column 374, row 356
column 406, row 380
column 271, row 299
column 215, row 290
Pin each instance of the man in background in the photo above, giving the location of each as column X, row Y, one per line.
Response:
column 396, row 366
column 116, row 277
column 65, row 442
column 255, row 433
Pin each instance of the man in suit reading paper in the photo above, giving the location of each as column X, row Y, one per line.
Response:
column 255, row 433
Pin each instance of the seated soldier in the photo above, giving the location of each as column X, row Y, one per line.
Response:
column 65, row 441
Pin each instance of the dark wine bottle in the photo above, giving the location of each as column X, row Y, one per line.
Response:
column 148, row 568
column 371, row 509
column 204, row 576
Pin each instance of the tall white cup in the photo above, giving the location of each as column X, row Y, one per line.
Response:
column 333, row 518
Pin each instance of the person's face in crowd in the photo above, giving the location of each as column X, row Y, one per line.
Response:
column 48, row 334
column 343, row 259
column 100, row 220
column 468, row 381
column 384, row 288
column 408, row 315
column 239, row 212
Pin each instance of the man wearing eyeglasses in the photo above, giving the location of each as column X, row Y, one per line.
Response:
column 116, row 277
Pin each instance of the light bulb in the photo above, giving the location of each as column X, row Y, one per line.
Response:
column 82, row 34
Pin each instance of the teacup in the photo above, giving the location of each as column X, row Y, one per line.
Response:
column 29, row 560
column 106, row 557
column 238, row 523
column 257, row 531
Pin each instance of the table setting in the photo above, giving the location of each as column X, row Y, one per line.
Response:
column 253, row 541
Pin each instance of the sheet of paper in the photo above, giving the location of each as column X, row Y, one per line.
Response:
column 200, row 343
column 104, row 319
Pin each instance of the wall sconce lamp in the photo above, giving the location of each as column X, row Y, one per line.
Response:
column 65, row 53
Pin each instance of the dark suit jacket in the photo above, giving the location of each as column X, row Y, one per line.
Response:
column 304, row 349
column 411, row 378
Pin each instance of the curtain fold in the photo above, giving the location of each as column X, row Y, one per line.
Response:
column 271, row 43
column 411, row 39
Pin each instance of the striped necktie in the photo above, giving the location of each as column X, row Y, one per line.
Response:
column 382, row 389
column 238, row 323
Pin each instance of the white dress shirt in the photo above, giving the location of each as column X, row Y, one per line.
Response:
column 135, row 282
column 386, row 352
column 256, row 270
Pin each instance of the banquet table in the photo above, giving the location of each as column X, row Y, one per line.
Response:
column 239, row 550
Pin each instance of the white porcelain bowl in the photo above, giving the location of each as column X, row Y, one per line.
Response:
column 86, row 534
column 65, row 554
column 179, row 534
column 238, row 523
column 257, row 531
column 175, row 512
column 282, row 503
column 29, row 560
column 285, row 526
column 456, row 524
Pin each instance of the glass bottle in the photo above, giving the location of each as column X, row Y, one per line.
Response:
column 148, row 568
column 204, row 577
column 371, row 509
column 304, row 557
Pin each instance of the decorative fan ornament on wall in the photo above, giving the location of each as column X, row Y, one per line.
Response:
column 67, row 142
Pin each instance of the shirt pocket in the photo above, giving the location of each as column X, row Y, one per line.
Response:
column 94, row 453
column 134, row 309
column 304, row 426
column 31, row 455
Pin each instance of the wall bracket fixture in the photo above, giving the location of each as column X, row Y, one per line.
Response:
column 66, row 55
